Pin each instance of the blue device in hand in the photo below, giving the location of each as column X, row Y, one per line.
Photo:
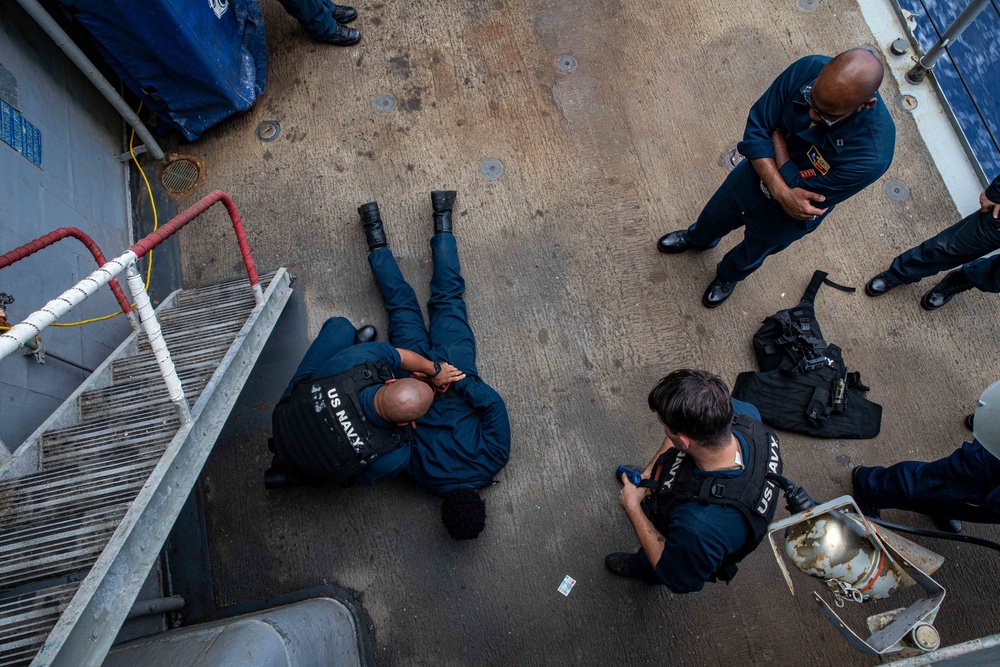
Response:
column 633, row 476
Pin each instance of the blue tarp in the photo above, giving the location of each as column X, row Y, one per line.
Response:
column 969, row 74
column 193, row 62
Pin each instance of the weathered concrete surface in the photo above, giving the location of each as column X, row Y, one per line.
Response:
column 576, row 313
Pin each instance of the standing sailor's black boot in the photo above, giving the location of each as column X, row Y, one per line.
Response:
column 371, row 221
column 954, row 283
column 442, row 201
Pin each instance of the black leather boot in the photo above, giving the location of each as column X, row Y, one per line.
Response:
column 946, row 525
column 954, row 283
column 717, row 292
column 881, row 284
column 342, row 36
column 442, row 201
column 344, row 14
column 280, row 476
column 371, row 221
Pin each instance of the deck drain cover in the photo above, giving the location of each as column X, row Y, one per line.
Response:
column 182, row 174
column 896, row 190
column 907, row 102
column 566, row 64
column 731, row 158
column 268, row 130
column 491, row 169
column 386, row 102
column 808, row 5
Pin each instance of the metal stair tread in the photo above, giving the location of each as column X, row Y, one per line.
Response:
column 47, row 479
column 174, row 316
column 229, row 286
column 189, row 346
column 188, row 335
column 132, row 366
column 125, row 492
column 27, row 619
column 161, row 415
column 53, row 453
column 124, row 409
column 11, row 539
column 40, row 485
column 133, row 386
column 91, row 401
column 54, row 564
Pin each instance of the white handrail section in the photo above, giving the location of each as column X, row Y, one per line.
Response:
column 151, row 325
column 22, row 332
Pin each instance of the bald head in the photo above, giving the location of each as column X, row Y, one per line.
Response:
column 403, row 401
column 848, row 82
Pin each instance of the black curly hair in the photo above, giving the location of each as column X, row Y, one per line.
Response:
column 463, row 513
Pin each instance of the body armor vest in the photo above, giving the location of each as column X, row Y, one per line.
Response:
column 752, row 493
column 803, row 384
column 321, row 429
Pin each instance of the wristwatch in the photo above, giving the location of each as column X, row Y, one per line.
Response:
column 437, row 369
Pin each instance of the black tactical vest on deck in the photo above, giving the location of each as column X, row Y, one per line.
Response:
column 751, row 493
column 321, row 430
column 803, row 384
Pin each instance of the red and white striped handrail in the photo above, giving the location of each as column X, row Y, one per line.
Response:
column 42, row 242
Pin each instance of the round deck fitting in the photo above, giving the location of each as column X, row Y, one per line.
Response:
column 268, row 130
column 808, row 5
column 896, row 190
column 385, row 102
column 899, row 47
column 907, row 102
column 926, row 637
column 566, row 64
column 182, row 174
column 491, row 169
column 731, row 158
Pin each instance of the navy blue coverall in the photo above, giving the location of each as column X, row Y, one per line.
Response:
column 836, row 162
column 964, row 485
column 963, row 244
column 464, row 439
column 334, row 352
column 700, row 536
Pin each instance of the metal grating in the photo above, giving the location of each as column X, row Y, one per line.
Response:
column 181, row 175
column 25, row 621
column 137, row 367
column 121, row 399
column 228, row 289
column 194, row 336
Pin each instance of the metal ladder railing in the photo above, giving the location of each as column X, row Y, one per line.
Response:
column 34, row 324
column 42, row 242
column 87, row 502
